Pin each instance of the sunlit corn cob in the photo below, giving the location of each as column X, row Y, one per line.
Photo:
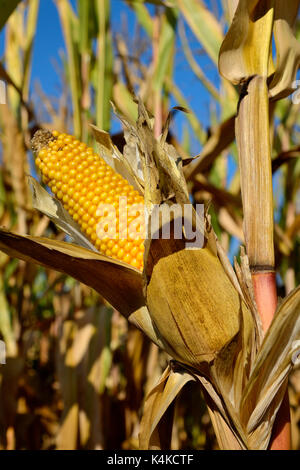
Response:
column 83, row 182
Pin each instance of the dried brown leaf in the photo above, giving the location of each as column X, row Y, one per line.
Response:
column 158, row 401
column 120, row 284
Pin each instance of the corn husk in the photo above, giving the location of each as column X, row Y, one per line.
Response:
column 52, row 208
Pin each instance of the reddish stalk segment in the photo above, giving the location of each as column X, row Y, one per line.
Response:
column 264, row 284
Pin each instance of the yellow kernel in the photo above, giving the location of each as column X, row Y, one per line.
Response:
column 128, row 247
column 127, row 258
column 42, row 153
column 134, row 251
column 115, row 249
column 92, row 210
column 86, row 205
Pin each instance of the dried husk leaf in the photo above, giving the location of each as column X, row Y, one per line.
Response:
column 119, row 283
column 157, row 403
column 245, row 51
column 52, row 208
column 132, row 155
column 112, row 156
column 287, row 49
column 264, row 392
column 225, row 437
column 231, row 8
column 226, row 434
column 142, row 320
column 163, row 178
column 245, row 281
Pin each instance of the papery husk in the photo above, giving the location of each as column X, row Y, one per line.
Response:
column 225, row 431
column 287, row 50
column 246, row 49
column 113, row 157
column 52, row 208
column 157, row 402
column 266, row 386
column 142, row 320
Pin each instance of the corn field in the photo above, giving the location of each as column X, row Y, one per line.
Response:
column 123, row 343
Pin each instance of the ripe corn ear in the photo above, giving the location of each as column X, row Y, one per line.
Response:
column 95, row 196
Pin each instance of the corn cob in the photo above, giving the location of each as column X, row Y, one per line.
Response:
column 83, row 182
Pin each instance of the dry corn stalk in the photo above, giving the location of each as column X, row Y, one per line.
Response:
column 190, row 302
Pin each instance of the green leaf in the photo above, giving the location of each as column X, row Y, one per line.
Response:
column 104, row 66
column 204, row 25
column 143, row 16
column 165, row 47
